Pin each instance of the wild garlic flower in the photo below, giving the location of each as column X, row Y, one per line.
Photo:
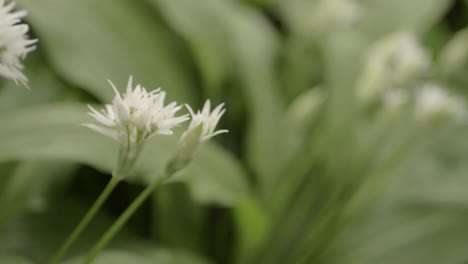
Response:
column 14, row 43
column 335, row 13
column 434, row 102
column 207, row 119
column 394, row 62
column 136, row 115
column 202, row 127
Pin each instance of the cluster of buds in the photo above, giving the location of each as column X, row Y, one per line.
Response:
column 138, row 115
column 14, row 43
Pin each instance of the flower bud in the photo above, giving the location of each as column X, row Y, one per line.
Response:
column 188, row 147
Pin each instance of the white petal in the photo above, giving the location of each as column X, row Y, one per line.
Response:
column 105, row 131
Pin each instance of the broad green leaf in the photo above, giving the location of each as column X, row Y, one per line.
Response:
column 150, row 256
column 45, row 86
column 380, row 17
column 89, row 41
column 14, row 260
column 28, row 186
column 53, row 132
column 38, row 235
column 252, row 224
column 453, row 60
column 421, row 217
column 407, row 235
column 243, row 36
column 177, row 219
column 210, row 47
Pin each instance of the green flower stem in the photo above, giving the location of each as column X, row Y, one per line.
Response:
column 186, row 150
column 86, row 219
column 120, row 222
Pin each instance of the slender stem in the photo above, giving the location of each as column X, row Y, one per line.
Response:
column 124, row 217
column 85, row 220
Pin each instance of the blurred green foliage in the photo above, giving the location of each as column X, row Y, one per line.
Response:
column 307, row 174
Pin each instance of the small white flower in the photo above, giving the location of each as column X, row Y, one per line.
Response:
column 136, row 115
column 14, row 43
column 433, row 101
column 207, row 119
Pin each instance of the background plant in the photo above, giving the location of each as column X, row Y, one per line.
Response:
column 309, row 173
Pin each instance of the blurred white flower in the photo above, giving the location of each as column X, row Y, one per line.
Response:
column 207, row 119
column 408, row 58
column 433, row 102
column 394, row 99
column 14, row 43
column 396, row 61
column 136, row 115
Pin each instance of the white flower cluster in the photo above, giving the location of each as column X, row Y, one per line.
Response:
column 434, row 101
column 14, row 43
column 392, row 63
column 138, row 114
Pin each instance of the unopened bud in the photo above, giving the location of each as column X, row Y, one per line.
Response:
column 188, row 147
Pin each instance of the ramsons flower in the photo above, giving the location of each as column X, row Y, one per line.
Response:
column 14, row 43
column 136, row 115
column 396, row 61
column 202, row 127
column 207, row 119
column 434, row 102
column 132, row 118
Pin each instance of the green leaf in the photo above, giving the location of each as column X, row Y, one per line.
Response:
column 27, row 187
column 407, row 235
column 45, row 86
column 14, row 260
column 149, row 256
column 89, row 41
column 38, row 235
column 177, row 219
column 381, row 17
column 53, row 132
column 252, row 225
column 210, row 47
column 421, row 217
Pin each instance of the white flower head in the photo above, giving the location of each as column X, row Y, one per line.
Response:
column 410, row 59
column 394, row 62
column 136, row 115
column 433, row 101
column 207, row 119
column 14, row 43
